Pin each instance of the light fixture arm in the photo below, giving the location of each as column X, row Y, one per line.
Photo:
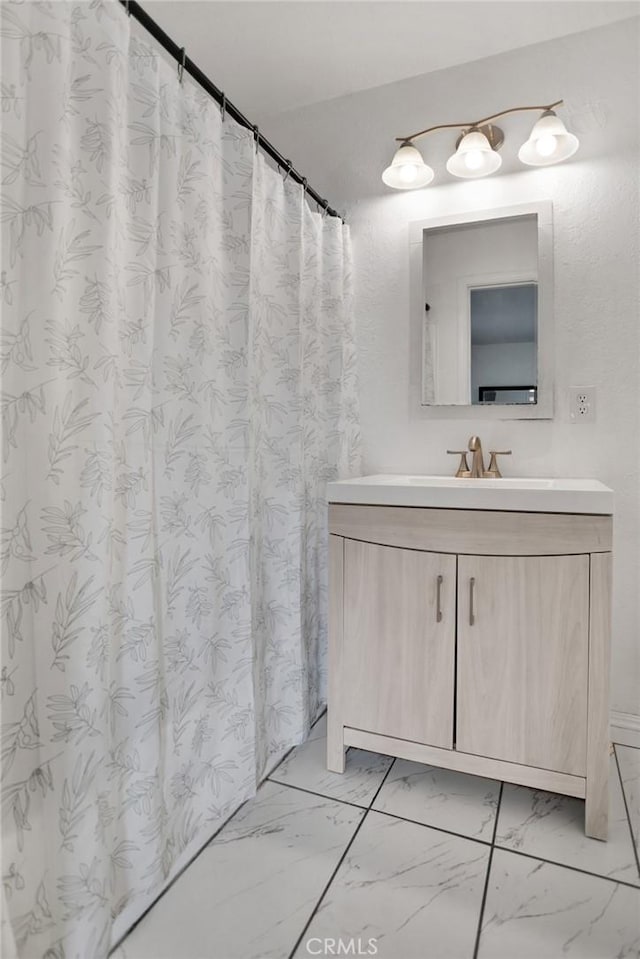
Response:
column 477, row 123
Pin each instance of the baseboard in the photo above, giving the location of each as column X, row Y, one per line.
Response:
column 625, row 728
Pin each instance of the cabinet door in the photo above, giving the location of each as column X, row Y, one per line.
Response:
column 523, row 636
column 399, row 642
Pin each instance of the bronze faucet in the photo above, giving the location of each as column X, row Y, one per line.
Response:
column 477, row 460
column 477, row 470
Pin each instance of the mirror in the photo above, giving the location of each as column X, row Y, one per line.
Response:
column 483, row 297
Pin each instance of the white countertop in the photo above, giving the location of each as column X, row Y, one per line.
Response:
column 535, row 495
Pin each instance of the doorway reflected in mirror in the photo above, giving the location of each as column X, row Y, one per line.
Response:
column 503, row 331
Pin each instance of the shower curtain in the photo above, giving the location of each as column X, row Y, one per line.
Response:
column 177, row 387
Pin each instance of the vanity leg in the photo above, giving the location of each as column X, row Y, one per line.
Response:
column 598, row 743
column 335, row 746
column 335, row 726
column 596, row 819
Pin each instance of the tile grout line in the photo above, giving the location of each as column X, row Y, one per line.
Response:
column 326, row 888
column 339, row 864
column 563, row 865
column 486, row 881
column 426, row 825
column 383, row 781
column 312, row 792
column 626, row 807
column 462, row 835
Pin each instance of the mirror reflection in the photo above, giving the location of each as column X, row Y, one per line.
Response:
column 503, row 332
column 480, row 327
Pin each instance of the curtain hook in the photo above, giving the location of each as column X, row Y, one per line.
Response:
column 288, row 170
column 304, row 184
column 326, row 208
column 181, row 64
column 256, row 134
column 126, row 6
column 224, row 106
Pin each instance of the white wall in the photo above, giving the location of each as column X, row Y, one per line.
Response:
column 343, row 145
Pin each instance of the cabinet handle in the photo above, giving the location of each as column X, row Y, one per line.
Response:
column 438, row 598
column 472, row 617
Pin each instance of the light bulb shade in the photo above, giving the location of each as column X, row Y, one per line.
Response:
column 474, row 157
column 407, row 171
column 549, row 142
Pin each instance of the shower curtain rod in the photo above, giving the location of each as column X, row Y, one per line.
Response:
column 134, row 9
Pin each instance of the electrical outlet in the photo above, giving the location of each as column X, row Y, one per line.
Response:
column 582, row 404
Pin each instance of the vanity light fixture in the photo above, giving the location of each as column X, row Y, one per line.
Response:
column 475, row 156
column 407, row 171
column 476, row 149
column 549, row 142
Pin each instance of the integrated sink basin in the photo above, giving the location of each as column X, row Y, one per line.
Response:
column 536, row 495
column 501, row 483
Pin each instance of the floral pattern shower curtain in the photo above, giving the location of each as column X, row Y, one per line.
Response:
column 177, row 387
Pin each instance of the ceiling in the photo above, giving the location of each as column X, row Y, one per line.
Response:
column 272, row 56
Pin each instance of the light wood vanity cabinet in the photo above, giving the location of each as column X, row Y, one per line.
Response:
column 399, row 615
column 523, row 663
column 474, row 640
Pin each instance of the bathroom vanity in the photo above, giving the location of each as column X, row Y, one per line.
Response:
column 470, row 628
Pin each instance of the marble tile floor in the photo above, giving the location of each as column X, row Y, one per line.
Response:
column 404, row 861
